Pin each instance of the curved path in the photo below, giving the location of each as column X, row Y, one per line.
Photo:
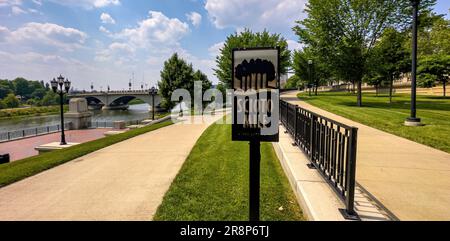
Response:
column 410, row 179
column 125, row 181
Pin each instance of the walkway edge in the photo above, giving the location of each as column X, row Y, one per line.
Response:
column 317, row 199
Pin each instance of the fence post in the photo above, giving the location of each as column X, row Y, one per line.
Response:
column 312, row 139
column 351, row 175
column 9, row 136
column 23, row 133
column 295, row 125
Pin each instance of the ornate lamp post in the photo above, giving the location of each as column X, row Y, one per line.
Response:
column 413, row 120
column 92, row 87
column 153, row 92
column 64, row 87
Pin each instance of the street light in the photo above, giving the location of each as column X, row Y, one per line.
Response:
column 310, row 63
column 413, row 120
column 64, row 87
column 153, row 92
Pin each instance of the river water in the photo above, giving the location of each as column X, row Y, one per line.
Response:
column 135, row 112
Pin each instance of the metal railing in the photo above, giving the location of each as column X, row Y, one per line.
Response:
column 331, row 147
column 30, row 132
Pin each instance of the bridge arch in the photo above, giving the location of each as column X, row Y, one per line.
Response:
column 92, row 100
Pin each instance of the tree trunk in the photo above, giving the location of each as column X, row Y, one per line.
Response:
column 445, row 88
column 391, row 87
column 376, row 90
column 359, row 93
column 317, row 87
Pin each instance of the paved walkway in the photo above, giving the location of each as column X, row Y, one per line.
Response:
column 24, row 148
column 125, row 181
column 410, row 179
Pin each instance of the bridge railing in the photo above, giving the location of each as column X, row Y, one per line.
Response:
column 81, row 93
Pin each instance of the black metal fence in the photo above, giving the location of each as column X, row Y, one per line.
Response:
column 30, row 132
column 331, row 147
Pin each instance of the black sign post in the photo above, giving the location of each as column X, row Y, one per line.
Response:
column 256, row 82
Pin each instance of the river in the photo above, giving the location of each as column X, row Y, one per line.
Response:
column 135, row 112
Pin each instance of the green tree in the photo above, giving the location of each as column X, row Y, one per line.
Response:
column 434, row 69
column 293, row 82
column 6, row 87
column 38, row 93
column 178, row 74
column 249, row 39
column 318, row 73
column 11, row 101
column 344, row 32
column 22, row 87
column 389, row 60
column 4, row 92
column 50, row 98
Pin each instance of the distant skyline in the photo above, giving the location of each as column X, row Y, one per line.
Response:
column 105, row 41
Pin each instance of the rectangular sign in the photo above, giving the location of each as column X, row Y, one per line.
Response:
column 256, row 82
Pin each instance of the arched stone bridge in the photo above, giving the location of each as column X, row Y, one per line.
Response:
column 116, row 99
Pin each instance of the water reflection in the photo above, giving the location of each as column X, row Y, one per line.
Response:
column 135, row 112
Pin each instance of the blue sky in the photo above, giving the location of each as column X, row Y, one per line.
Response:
column 105, row 41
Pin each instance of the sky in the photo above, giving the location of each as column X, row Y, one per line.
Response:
column 107, row 42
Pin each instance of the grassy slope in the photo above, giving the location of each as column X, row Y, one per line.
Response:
column 32, row 111
column 15, row 171
column 213, row 183
column 379, row 113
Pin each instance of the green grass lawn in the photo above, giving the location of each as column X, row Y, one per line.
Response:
column 379, row 113
column 213, row 183
column 18, row 170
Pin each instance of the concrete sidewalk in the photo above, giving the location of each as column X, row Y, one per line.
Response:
column 125, row 181
column 410, row 179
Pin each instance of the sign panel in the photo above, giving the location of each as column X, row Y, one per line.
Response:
column 256, row 82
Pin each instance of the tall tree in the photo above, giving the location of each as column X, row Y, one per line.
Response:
column 178, row 74
column 434, row 69
column 248, row 39
column 390, row 58
column 318, row 73
column 344, row 32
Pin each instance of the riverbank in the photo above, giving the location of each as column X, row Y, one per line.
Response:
column 30, row 112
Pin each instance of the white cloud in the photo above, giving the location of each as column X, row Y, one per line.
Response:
column 48, row 34
column 88, row 4
column 106, row 18
column 294, row 45
column 214, row 50
column 104, row 30
column 37, row 2
column 195, row 18
column 156, row 29
column 7, row 3
column 277, row 15
column 17, row 10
